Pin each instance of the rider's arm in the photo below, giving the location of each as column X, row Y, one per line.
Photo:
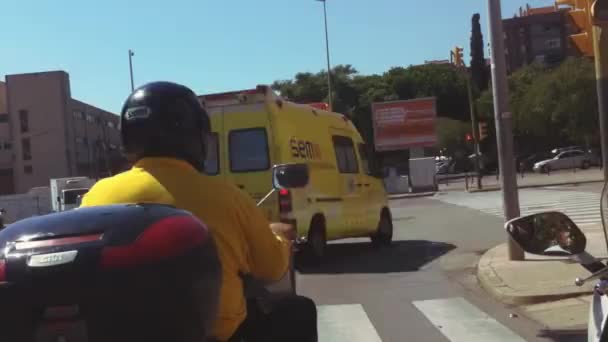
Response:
column 268, row 253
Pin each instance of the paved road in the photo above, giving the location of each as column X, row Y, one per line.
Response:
column 421, row 289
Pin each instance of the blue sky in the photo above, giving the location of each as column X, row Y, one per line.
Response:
column 218, row 45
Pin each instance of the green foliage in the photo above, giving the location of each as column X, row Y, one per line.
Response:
column 451, row 135
column 551, row 106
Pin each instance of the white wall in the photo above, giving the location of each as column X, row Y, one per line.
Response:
column 36, row 202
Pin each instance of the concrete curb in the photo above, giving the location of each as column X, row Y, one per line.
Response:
column 411, row 195
column 497, row 188
column 493, row 284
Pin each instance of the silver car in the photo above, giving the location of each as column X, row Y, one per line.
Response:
column 565, row 160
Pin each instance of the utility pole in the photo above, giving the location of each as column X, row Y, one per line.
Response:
column 329, row 90
column 599, row 17
column 503, row 118
column 131, row 54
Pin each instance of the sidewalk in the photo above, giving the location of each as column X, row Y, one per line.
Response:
column 530, row 180
column 537, row 279
column 490, row 183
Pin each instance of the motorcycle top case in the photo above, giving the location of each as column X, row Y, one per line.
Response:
column 103, row 265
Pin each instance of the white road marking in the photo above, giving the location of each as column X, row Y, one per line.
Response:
column 458, row 320
column 345, row 323
column 582, row 207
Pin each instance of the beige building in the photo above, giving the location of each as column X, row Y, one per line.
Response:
column 44, row 133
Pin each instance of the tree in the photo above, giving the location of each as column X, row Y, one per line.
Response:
column 451, row 135
column 551, row 106
column 443, row 81
column 308, row 88
column 478, row 61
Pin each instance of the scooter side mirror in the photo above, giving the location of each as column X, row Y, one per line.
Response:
column 547, row 233
column 290, row 176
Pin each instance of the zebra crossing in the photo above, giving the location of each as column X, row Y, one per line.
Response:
column 582, row 207
column 456, row 318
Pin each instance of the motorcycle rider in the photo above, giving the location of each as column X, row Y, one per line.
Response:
column 163, row 131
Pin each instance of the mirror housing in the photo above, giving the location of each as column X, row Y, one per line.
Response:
column 547, row 233
column 290, row 176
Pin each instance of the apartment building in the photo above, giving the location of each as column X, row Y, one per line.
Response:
column 47, row 134
column 537, row 35
column 6, row 159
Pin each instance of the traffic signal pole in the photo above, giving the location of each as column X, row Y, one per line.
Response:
column 503, row 119
column 476, row 138
column 600, row 47
column 456, row 59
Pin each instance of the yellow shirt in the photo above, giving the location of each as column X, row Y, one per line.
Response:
column 242, row 234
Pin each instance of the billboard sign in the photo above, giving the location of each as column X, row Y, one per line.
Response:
column 400, row 125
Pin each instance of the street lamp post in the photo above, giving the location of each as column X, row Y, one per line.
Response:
column 504, row 121
column 131, row 54
column 329, row 90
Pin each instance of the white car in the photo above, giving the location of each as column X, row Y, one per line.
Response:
column 565, row 160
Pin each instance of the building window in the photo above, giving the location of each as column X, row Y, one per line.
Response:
column 554, row 43
column 8, row 145
column 90, row 118
column 539, row 59
column 3, row 118
column 77, row 115
column 27, row 149
column 28, row 169
column 111, row 124
column 24, row 120
column 79, row 140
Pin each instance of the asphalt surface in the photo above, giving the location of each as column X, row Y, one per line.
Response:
column 423, row 288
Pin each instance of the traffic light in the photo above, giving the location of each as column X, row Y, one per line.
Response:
column 468, row 137
column 456, row 55
column 580, row 15
column 483, row 130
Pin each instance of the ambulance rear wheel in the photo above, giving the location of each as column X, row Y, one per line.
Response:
column 384, row 232
column 317, row 240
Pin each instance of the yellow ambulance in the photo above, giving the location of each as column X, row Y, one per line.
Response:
column 253, row 130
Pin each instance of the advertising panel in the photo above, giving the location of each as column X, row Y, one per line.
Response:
column 400, row 125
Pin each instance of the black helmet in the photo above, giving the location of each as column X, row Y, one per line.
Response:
column 164, row 119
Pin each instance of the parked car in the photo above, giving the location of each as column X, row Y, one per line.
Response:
column 444, row 167
column 565, row 160
column 527, row 162
column 559, row 150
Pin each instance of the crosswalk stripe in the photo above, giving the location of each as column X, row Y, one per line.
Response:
column 345, row 323
column 582, row 207
column 458, row 320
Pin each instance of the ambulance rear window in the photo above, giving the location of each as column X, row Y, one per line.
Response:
column 212, row 165
column 248, row 150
